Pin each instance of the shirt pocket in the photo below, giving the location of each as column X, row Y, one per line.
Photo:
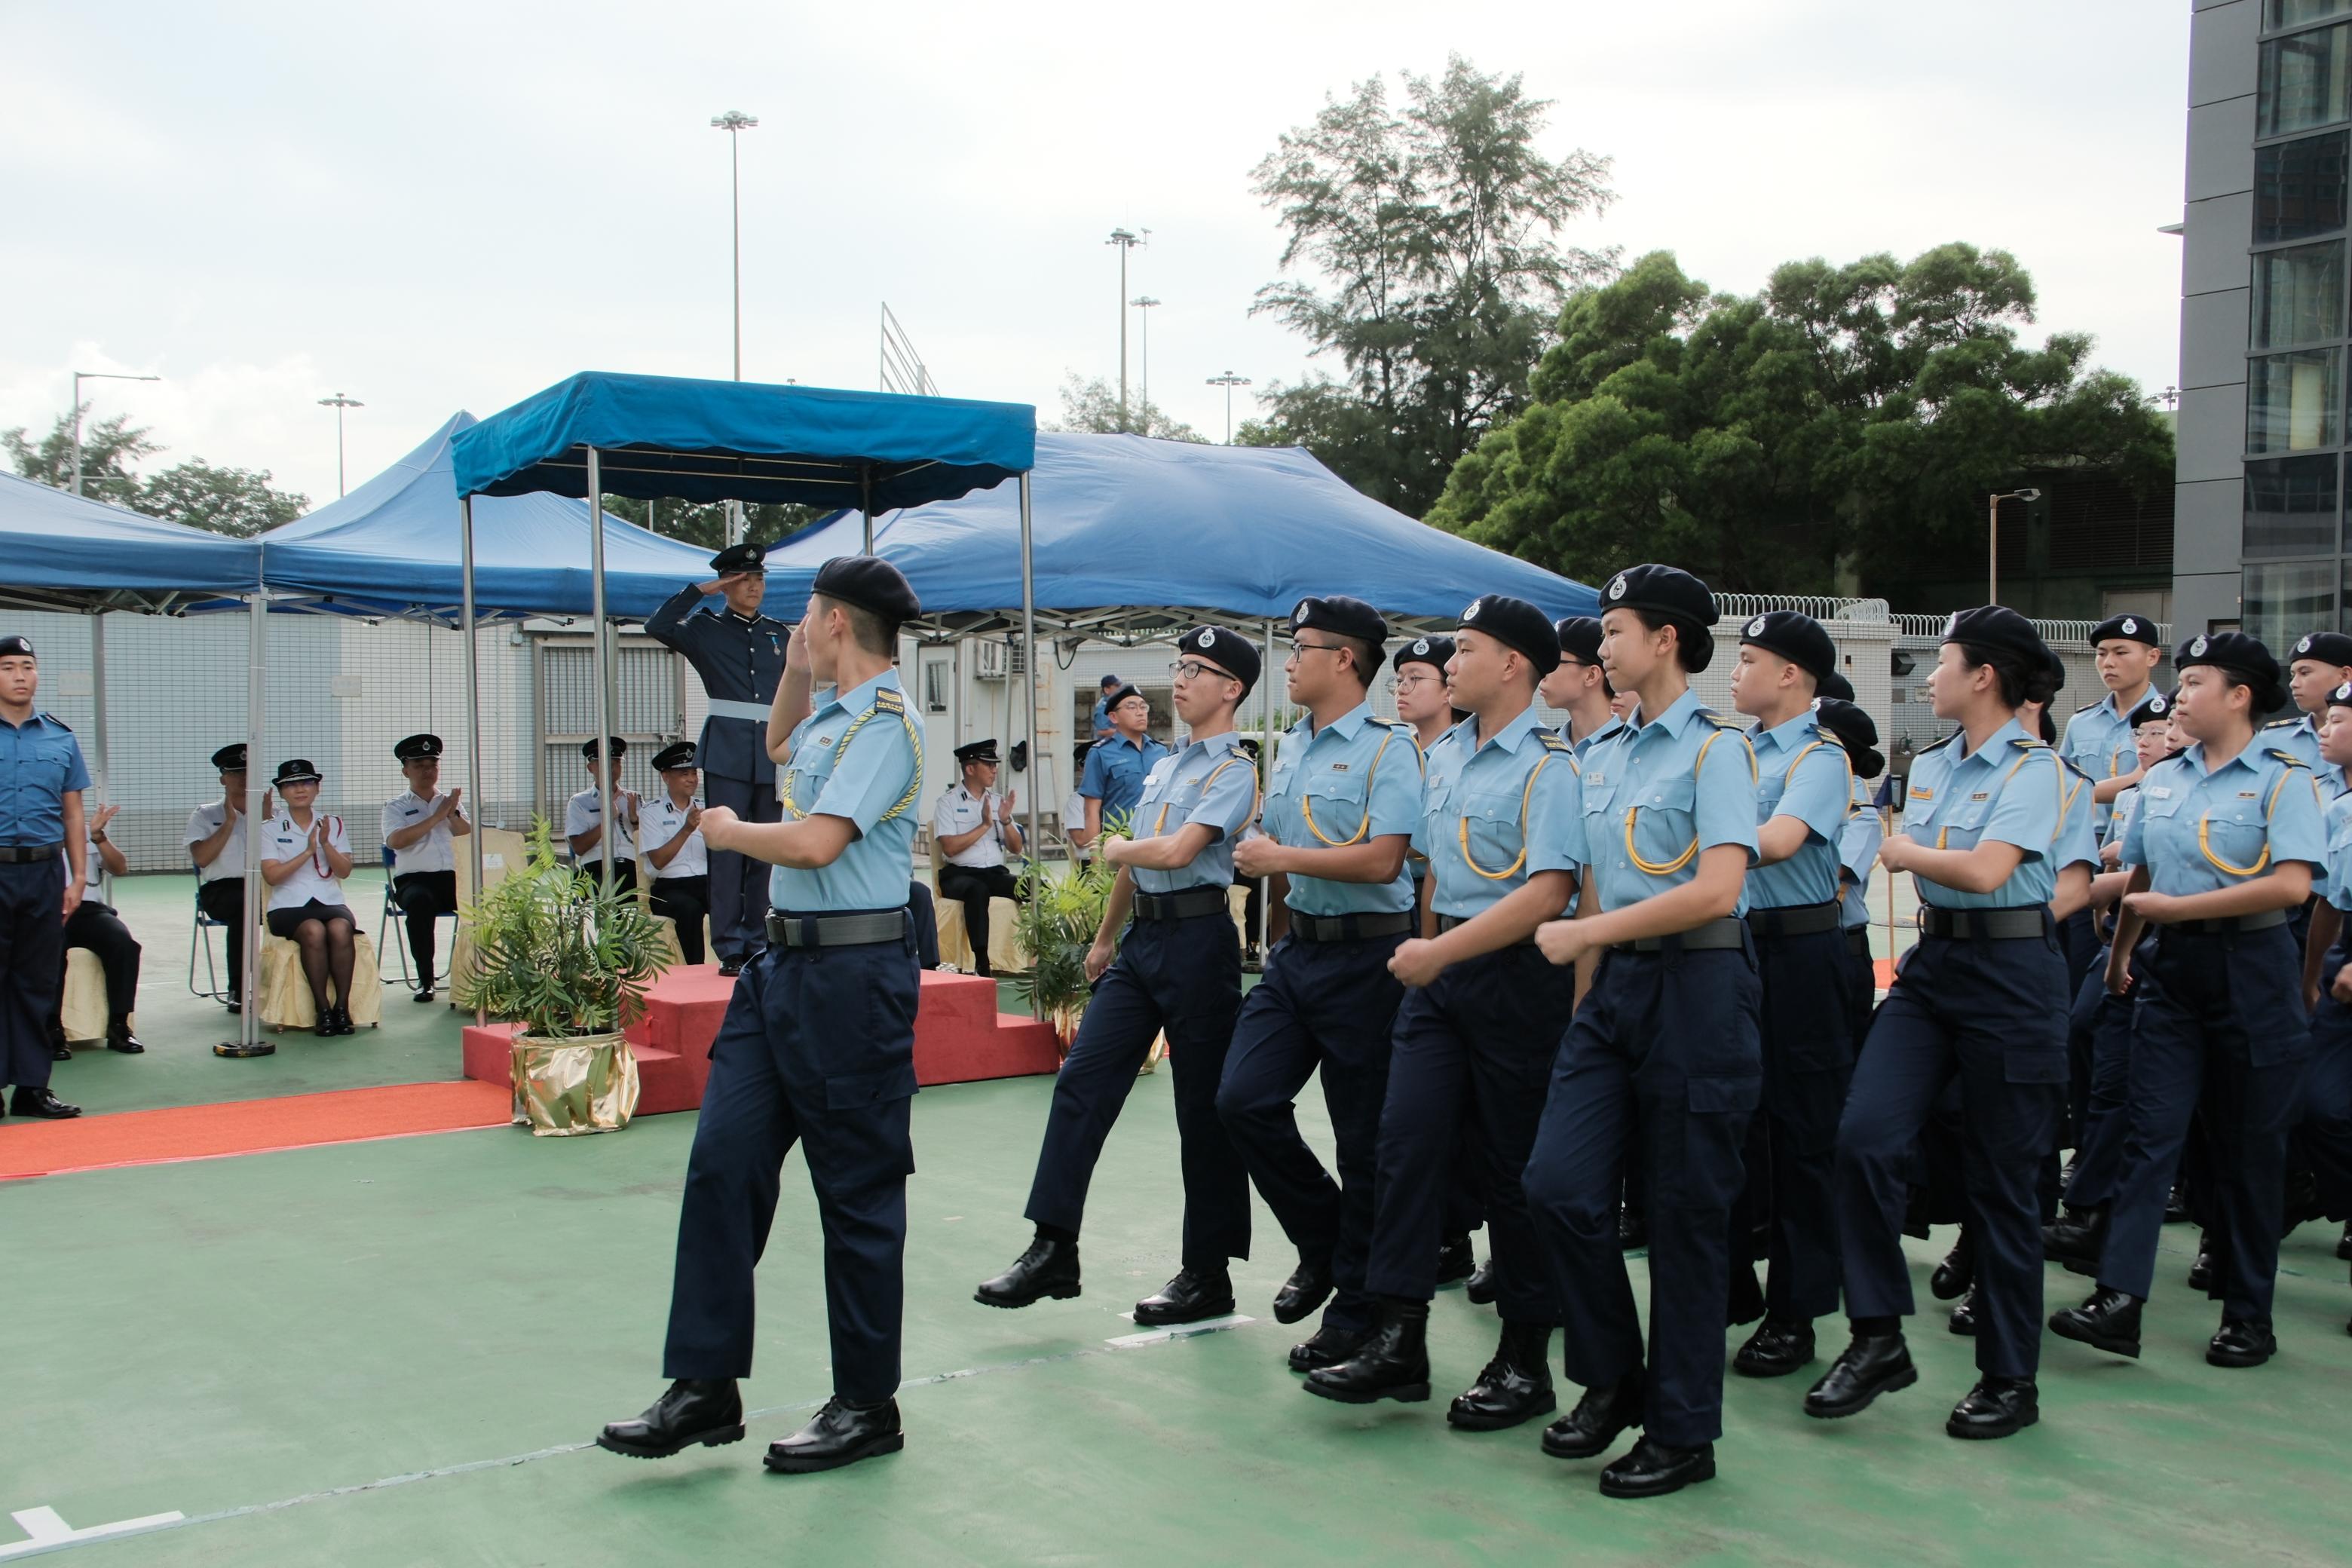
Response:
column 2235, row 839
column 1664, row 824
column 1768, row 791
column 1335, row 804
column 1490, row 828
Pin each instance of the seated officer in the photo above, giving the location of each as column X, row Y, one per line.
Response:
column 99, row 928
column 1119, row 763
column 669, row 842
column 216, row 839
column 583, row 819
column 419, row 826
column 973, row 830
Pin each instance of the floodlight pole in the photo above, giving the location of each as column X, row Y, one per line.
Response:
column 473, row 703
column 734, row 123
column 1143, row 303
column 1229, row 381
column 81, row 375
column 1126, row 240
column 338, row 403
column 1992, row 539
column 606, row 708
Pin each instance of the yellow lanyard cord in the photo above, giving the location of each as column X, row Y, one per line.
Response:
column 1307, row 809
column 1162, row 820
column 1691, row 850
column 914, row 784
column 1945, row 832
column 2205, row 842
column 1526, row 795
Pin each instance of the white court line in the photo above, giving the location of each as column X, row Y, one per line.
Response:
column 1178, row 1331
column 47, row 1532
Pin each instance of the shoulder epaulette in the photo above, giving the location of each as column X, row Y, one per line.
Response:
column 2086, row 707
column 53, row 719
column 2289, row 758
column 889, row 700
column 2072, row 768
column 1552, row 741
column 1720, row 722
column 1938, row 745
column 2030, row 743
column 2282, row 723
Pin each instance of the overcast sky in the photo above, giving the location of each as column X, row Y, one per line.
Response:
column 435, row 206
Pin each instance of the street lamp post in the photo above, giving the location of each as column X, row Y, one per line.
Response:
column 1229, row 381
column 734, row 123
column 79, row 378
column 1144, row 302
column 338, row 403
column 1126, row 240
column 1992, row 539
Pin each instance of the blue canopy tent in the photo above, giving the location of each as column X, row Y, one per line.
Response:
column 650, row 437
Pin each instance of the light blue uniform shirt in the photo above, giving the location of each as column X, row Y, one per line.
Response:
column 1213, row 782
column 2198, row 831
column 2301, row 736
column 1804, row 773
column 2126, row 806
column 2098, row 740
column 1609, row 730
column 2007, row 791
column 2337, row 823
column 1353, row 780
column 1494, row 813
column 40, row 763
column 2077, row 842
column 1858, row 843
column 858, row 755
column 1116, row 769
column 1661, row 794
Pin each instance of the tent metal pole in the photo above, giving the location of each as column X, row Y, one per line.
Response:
column 255, row 697
column 1265, row 761
column 866, row 503
column 473, row 704
column 97, row 876
column 1034, row 844
column 609, row 795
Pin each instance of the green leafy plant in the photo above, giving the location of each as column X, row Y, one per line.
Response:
column 1059, row 916
column 557, row 954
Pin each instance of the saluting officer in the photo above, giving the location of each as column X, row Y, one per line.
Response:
column 1661, row 1066
column 974, row 830
column 1340, row 807
column 421, row 826
column 1478, row 1025
column 1982, row 998
column 740, row 655
column 670, row 844
column 1179, row 970
column 583, row 818
column 2223, row 846
column 42, row 777
column 817, row 1048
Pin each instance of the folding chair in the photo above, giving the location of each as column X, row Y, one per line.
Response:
column 201, row 935
column 384, row 943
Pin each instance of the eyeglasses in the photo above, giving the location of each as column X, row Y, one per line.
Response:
column 1192, row 669
column 1298, row 648
column 1407, row 682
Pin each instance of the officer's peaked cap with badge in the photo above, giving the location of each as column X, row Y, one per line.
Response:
column 2327, row 648
column 1517, row 625
column 620, row 748
column 1795, row 636
column 1855, row 731
column 16, row 646
column 2154, row 708
column 672, row 758
column 1580, row 637
column 1432, row 651
column 744, row 557
column 1342, row 615
column 2126, row 628
column 977, row 750
column 297, row 770
column 416, row 748
column 230, row 759
column 1664, row 591
column 2241, row 656
column 1228, row 650
column 1835, row 685
column 869, row 582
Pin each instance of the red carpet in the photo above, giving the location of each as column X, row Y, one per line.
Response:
column 247, row 1127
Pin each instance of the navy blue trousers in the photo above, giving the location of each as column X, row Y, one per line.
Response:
column 1992, row 1016
column 1183, row 976
column 1660, row 1071
column 1323, row 1009
column 817, row 1048
column 1484, row 1036
column 2102, row 1024
column 1792, row 1152
column 1862, row 993
column 739, row 883
column 2219, row 1038
column 32, row 967
column 2324, row 1139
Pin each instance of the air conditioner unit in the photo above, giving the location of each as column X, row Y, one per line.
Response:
column 992, row 660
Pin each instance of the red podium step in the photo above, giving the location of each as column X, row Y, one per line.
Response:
column 959, row 1037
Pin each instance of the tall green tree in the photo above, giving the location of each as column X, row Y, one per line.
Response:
column 705, row 522
column 239, row 501
column 1425, row 246
column 1843, row 420
column 110, row 453
column 1093, row 406
column 236, row 501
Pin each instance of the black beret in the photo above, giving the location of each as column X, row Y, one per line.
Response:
column 2244, row 657
column 1795, row 636
column 297, row 770
column 1340, row 615
column 1122, row 695
column 2327, row 648
column 416, row 747
column 1517, row 625
column 744, row 557
column 230, row 759
column 1432, row 651
column 1998, row 628
column 2339, row 698
column 1835, row 685
column 1228, row 650
column 15, row 645
column 1580, row 638
column 676, row 755
column 1666, row 591
column 620, row 749
column 2057, row 667
column 2155, row 708
column 1853, row 729
column 869, row 582
column 977, row 750
column 2134, row 628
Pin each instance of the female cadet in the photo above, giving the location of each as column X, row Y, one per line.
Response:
column 304, row 859
column 1984, row 998
column 2325, row 1137
column 1662, row 1065
column 2222, row 848
column 1858, row 844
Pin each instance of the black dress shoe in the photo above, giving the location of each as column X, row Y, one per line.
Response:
column 841, row 1435
column 2200, row 1267
column 2176, row 1207
column 1309, row 1287
column 1654, row 1468
column 343, row 1025
column 2076, row 1239
column 60, row 1052
column 1632, row 1229
column 2241, row 1344
column 2343, row 1242
column 1956, row 1273
column 1516, row 1385
column 424, row 993
column 2108, row 1321
column 1606, row 1410
column 1870, row 1365
column 731, row 966
column 1327, row 1346
column 1963, row 1321
column 324, row 1028
column 119, row 1038
column 41, row 1104
column 1483, row 1284
column 1456, row 1260
column 1746, row 1302
column 708, row 1411
column 1778, row 1347
column 1996, row 1407
column 1047, row 1269
column 235, row 1008
column 1392, row 1363
column 1194, row 1294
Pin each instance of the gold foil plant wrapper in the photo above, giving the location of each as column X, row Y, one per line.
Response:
column 576, row 1085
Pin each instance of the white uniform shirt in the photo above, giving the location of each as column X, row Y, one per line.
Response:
column 281, row 840
column 585, row 811
column 202, row 823
column 960, row 812
column 660, row 821
column 433, row 852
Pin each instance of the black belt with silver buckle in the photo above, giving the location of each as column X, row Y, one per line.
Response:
column 836, row 931
column 1348, row 928
column 29, row 854
column 1729, row 931
column 1447, row 922
column 1183, row 906
column 2233, row 925
column 1991, row 925
column 1801, row 919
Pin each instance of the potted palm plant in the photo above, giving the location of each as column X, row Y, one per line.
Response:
column 556, row 954
column 1059, row 916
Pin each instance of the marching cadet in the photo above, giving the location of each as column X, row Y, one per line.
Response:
column 2098, row 739
column 1340, row 812
column 740, row 655
column 1858, row 843
column 421, row 827
column 42, row 777
column 1179, row 970
column 1478, row 1023
column 583, row 819
column 215, row 840
column 2324, row 1140
column 1417, row 682
column 972, row 828
column 1662, row 1066
column 1580, row 688
column 671, row 846
column 1112, row 781
column 1982, row 998
column 99, row 929
column 2321, row 662
column 2222, row 848
column 817, row 1048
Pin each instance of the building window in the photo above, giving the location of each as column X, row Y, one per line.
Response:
column 2291, row 507
column 2277, row 13
column 2306, row 81
column 2287, row 598
column 2298, row 296
column 2294, row 402
column 2299, row 188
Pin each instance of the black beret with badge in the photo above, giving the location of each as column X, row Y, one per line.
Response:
column 1228, row 650
column 416, row 748
column 2327, row 648
column 869, row 582
column 977, row 750
column 1432, row 651
column 1855, row 731
column 744, row 557
column 1998, row 628
column 620, row 749
column 1342, row 616
column 1795, row 636
column 230, row 759
column 2126, row 628
column 2155, row 708
column 1834, row 684
column 675, row 756
column 1517, row 625
column 2243, row 657
column 2339, row 698
column 1665, row 591
column 16, row 646
column 1580, row 637
column 1120, row 694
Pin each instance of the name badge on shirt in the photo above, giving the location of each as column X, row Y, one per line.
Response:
column 2247, row 794
column 2160, row 792
column 1981, row 794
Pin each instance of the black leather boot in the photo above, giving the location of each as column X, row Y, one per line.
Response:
column 841, row 1435
column 1963, row 1321
column 1515, row 1388
column 1605, row 1411
column 1654, row 1468
column 1956, row 1272
column 1393, row 1364
column 1870, row 1365
column 1309, row 1287
column 1483, row 1285
column 708, row 1411
column 2200, row 1267
column 1778, row 1347
column 2108, row 1321
column 42, row 1105
column 1194, row 1294
column 1047, row 1269
column 1996, row 1407
column 2075, row 1239
column 1456, row 1260
column 1327, row 1346
column 119, row 1038
column 1632, row 1229
column 2241, row 1344
column 2343, row 1242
